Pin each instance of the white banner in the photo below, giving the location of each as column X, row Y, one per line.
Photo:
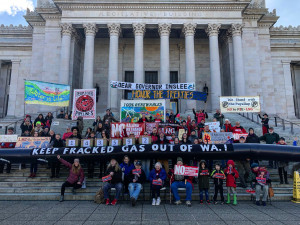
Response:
column 236, row 104
column 214, row 126
column 8, row 138
column 84, row 104
column 138, row 86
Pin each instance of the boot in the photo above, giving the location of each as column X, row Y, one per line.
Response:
column 61, row 198
column 234, row 200
column 228, row 199
column 285, row 178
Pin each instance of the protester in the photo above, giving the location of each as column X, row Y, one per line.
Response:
column 185, row 139
column 203, row 178
column 108, row 116
column 88, row 133
column 55, row 165
column 200, row 115
column 126, row 167
column 40, row 119
column 252, row 137
column 26, row 126
column 45, row 132
column 96, row 123
column 48, row 119
column 68, row 134
column 61, row 115
column 38, row 128
column 227, row 126
column 243, row 168
column 115, row 173
column 154, row 135
column 144, row 119
column 201, row 126
column 238, row 129
column 218, row 176
column 219, row 116
column 51, row 135
column 10, row 131
column 265, row 123
column 231, row 176
column 75, row 178
column 34, row 165
column 75, row 133
column 99, row 130
column 283, row 165
column 136, row 178
column 157, row 178
column 180, row 181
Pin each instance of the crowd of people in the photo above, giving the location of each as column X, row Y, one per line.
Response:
column 130, row 177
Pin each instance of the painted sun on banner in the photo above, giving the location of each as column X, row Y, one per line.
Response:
column 84, row 104
column 43, row 93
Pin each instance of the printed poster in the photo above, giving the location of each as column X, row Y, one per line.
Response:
column 237, row 104
column 191, row 171
column 8, row 138
column 136, row 128
column 84, row 104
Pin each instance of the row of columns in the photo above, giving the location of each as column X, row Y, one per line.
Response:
column 164, row 32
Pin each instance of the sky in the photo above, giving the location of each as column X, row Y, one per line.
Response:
column 12, row 11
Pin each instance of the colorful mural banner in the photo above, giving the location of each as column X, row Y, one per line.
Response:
column 132, row 110
column 139, row 86
column 168, row 94
column 237, row 104
column 217, row 138
column 126, row 129
column 84, row 104
column 33, row 142
column 44, row 93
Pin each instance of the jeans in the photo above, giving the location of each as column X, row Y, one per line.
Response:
column 181, row 184
column 146, row 167
column 265, row 192
column 134, row 190
column 67, row 184
column 217, row 189
column 108, row 186
column 33, row 167
column 206, row 194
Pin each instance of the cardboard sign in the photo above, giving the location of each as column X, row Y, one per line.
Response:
column 214, row 126
column 220, row 176
column 191, row 171
column 86, row 142
column 128, row 141
column 137, row 171
column 236, row 104
column 115, row 142
column 106, row 178
column 100, row 142
column 33, row 142
column 180, row 133
column 72, row 142
column 157, row 182
column 145, row 140
column 8, row 138
column 204, row 173
column 261, row 180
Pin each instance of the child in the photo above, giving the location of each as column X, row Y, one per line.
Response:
column 231, row 175
column 218, row 176
column 203, row 177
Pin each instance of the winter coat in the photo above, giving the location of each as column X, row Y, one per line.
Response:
column 154, row 137
column 192, row 138
column 25, row 127
column 57, row 143
column 140, row 179
column 227, row 127
column 270, row 138
column 164, row 141
column 217, row 181
column 203, row 177
column 231, row 176
column 154, row 175
column 264, row 121
column 73, row 177
column 186, row 142
column 126, row 168
column 200, row 116
column 171, row 176
column 239, row 130
column 253, row 174
column 117, row 177
column 110, row 118
column 219, row 118
column 283, row 164
column 252, row 138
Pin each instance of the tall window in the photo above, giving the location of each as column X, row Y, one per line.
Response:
column 151, row 77
column 174, row 102
column 129, row 77
column 173, row 77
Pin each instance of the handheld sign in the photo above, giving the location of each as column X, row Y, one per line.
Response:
column 86, row 142
column 145, row 140
column 115, row 142
column 191, row 171
column 204, row 173
column 220, row 176
column 261, row 180
column 100, row 142
column 72, row 142
column 157, row 182
column 136, row 171
column 106, row 178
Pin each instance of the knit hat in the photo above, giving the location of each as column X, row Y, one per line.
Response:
column 179, row 159
column 253, row 165
column 38, row 123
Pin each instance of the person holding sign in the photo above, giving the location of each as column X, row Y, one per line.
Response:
column 75, row 133
column 231, row 175
column 203, row 177
column 136, row 178
column 126, row 167
column 75, row 178
column 157, row 177
column 115, row 173
column 181, row 181
column 218, row 176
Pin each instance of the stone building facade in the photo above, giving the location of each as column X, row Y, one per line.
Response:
column 231, row 46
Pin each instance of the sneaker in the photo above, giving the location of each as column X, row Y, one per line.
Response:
column 208, row 202
column 158, row 201
column 133, row 201
column 215, row 202
column 30, row 175
column 153, row 201
column 107, row 202
column 177, row 202
column 264, row 203
column 188, row 203
column 222, row 203
column 201, row 202
column 257, row 203
column 61, row 198
column 114, row 202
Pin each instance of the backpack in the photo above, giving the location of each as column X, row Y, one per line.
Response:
column 99, row 197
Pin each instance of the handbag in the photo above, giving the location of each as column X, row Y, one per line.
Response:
column 271, row 191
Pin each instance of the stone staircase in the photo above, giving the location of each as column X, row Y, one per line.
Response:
column 17, row 186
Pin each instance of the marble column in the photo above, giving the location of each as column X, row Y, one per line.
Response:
column 189, row 30
column 288, row 87
column 90, row 31
column 114, row 32
column 13, row 88
column 239, row 73
column 164, row 32
column 66, row 31
column 139, row 31
column 215, row 71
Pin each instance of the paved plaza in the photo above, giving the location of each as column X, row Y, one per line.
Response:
column 86, row 212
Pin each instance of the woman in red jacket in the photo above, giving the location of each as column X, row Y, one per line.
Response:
column 231, row 176
column 73, row 180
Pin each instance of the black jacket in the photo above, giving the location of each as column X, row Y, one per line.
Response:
column 217, row 181
column 252, row 138
column 117, row 177
column 141, row 179
column 57, row 143
column 141, row 120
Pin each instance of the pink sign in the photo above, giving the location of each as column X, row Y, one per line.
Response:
column 191, row 171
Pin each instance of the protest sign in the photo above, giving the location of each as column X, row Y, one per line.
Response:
column 217, row 138
column 136, row 171
column 237, row 104
column 132, row 110
column 180, row 133
column 214, row 126
column 237, row 136
column 139, row 86
column 261, row 180
column 106, row 178
column 150, row 126
column 166, row 94
column 186, row 170
column 136, row 128
column 157, row 182
column 33, row 142
column 8, row 138
column 84, row 104
column 44, row 93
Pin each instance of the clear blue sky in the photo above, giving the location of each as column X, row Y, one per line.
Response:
column 12, row 11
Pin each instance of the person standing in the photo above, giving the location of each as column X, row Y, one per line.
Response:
column 55, row 166
column 219, row 116
column 218, row 176
column 264, row 122
column 231, row 176
column 203, row 177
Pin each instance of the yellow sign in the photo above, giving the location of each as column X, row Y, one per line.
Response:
column 296, row 189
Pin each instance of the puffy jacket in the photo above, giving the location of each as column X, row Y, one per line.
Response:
column 217, row 181
column 154, row 175
column 126, row 168
column 252, row 138
column 73, row 177
column 270, row 138
column 239, row 130
column 227, row 127
column 203, row 178
column 231, row 176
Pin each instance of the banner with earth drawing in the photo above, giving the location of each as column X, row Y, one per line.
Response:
column 84, row 104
